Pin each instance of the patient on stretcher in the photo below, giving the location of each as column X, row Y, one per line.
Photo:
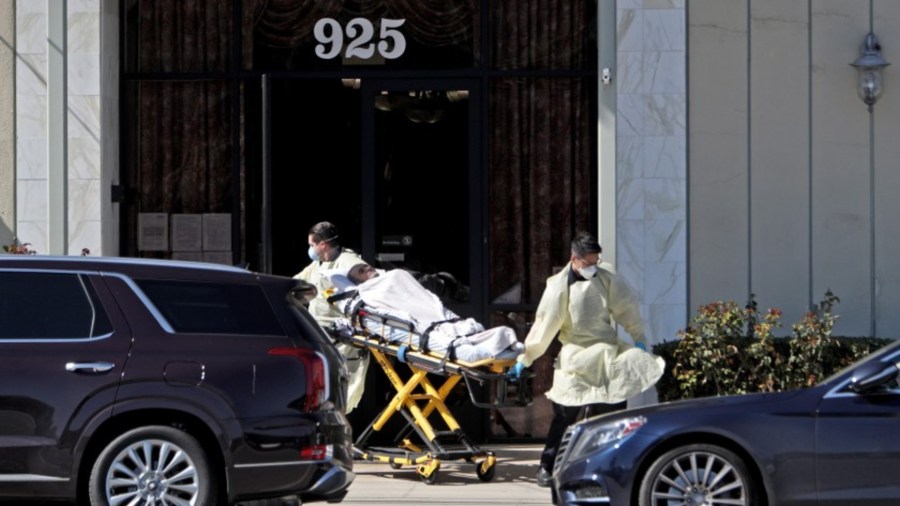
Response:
column 403, row 311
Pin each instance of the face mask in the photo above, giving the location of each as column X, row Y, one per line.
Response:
column 312, row 254
column 588, row 272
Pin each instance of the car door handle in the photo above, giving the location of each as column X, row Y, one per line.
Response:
column 89, row 367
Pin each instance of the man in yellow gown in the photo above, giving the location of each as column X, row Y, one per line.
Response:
column 594, row 370
column 327, row 255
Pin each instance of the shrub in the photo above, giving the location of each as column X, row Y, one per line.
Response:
column 730, row 350
column 17, row 248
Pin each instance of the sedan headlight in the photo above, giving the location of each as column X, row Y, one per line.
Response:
column 593, row 437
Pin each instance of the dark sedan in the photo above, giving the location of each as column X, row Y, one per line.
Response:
column 833, row 444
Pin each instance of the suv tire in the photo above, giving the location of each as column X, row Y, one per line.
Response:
column 140, row 463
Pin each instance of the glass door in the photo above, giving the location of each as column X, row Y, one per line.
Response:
column 423, row 198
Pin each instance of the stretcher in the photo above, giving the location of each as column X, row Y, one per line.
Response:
column 422, row 402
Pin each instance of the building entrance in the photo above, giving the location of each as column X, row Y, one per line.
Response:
column 396, row 165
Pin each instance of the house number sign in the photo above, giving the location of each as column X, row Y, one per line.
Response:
column 360, row 39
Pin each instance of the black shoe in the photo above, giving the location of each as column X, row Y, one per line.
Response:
column 544, row 478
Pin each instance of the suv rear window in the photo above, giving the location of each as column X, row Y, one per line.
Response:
column 212, row 308
column 37, row 305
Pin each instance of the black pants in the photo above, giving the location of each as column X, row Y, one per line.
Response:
column 563, row 416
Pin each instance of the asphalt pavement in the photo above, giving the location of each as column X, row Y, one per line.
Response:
column 378, row 484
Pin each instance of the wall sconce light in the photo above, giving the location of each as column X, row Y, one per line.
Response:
column 869, row 65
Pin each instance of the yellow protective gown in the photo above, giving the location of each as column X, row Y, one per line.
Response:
column 593, row 365
column 316, row 273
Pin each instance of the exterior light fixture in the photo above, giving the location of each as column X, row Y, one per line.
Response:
column 869, row 65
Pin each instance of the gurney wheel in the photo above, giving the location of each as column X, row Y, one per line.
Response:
column 429, row 472
column 395, row 465
column 430, row 480
column 486, row 475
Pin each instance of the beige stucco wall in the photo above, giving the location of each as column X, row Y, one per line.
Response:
column 7, row 121
column 788, row 196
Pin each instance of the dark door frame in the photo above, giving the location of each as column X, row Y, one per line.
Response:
column 476, row 190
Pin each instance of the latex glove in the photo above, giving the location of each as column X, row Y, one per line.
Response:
column 515, row 372
column 641, row 345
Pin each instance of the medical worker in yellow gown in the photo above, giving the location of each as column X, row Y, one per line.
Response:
column 594, row 369
column 328, row 255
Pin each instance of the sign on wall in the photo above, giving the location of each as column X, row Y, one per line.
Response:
column 360, row 41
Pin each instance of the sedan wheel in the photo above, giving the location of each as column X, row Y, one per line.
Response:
column 698, row 475
column 152, row 466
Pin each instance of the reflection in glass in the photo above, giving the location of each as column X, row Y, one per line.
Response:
column 422, row 184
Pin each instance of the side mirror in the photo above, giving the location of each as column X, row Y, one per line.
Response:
column 872, row 375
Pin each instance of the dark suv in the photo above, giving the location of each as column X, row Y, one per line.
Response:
column 127, row 381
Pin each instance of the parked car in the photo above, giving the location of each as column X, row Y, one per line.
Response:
column 832, row 444
column 128, row 381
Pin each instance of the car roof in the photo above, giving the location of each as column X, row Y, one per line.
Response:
column 132, row 267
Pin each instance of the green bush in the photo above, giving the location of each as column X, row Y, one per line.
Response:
column 730, row 350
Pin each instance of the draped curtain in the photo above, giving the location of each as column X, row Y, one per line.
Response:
column 542, row 135
column 184, row 126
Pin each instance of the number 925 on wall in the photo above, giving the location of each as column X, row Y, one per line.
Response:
column 360, row 38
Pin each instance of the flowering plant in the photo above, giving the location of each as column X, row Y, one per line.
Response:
column 17, row 248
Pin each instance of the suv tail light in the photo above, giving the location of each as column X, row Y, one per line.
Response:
column 314, row 364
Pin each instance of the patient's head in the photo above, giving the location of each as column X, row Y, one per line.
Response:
column 360, row 273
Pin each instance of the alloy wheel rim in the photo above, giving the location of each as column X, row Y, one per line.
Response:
column 699, row 479
column 152, row 473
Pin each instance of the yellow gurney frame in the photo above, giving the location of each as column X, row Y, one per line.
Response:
column 417, row 398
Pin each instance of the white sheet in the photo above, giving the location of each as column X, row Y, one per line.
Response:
column 398, row 295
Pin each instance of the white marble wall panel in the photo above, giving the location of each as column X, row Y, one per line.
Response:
column 31, row 74
column 664, row 4
column 665, row 114
column 664, row 29
column 651, row 159
column 31, row 123
column 34, row 233
column 630, row 115
column 630, row 72
column 84, row 158
column 83, row 234
column 630, row 199
column 83, row 202
column 84, row 117
column 84, row 27
column 31, row 158
column 31, row 202
column 663, row 72
column 664, row 157
column 84, row 76
column 31, row 116
column 630, row 247
column 83, row 121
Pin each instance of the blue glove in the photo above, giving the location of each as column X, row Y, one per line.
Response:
column 641, row 345
column 515, row 372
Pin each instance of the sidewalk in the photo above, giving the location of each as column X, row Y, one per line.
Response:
column 377, row 484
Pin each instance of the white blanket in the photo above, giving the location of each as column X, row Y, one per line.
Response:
column 398, row 295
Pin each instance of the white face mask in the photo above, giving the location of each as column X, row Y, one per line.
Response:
column 588, row 272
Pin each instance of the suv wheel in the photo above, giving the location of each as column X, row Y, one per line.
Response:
column 153, row 465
